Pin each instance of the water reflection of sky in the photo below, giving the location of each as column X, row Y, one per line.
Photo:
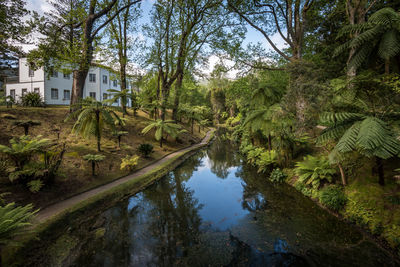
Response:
column 221, row 197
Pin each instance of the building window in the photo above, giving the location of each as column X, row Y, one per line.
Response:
column 54, row 93
column 105, row 96
column 66, row 76
column 53, row 73
column 92, row 77
column 12, row 93
column 31, row 72
column 36, row 90
column 115, row 83
column 24, row 91
column 67, row 94
column 92, row 95
column 105, row 79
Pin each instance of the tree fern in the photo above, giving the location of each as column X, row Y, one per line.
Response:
column 161, row 127
column 313, row 170
column 380, row 34
column 91, row 117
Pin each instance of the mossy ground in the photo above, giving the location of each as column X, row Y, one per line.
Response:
column 75, row 173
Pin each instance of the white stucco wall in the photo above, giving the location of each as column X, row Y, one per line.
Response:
column 45, row 83
column 29, row 86
column 60, row 83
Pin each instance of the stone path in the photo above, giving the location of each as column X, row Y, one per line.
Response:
column 59, row 207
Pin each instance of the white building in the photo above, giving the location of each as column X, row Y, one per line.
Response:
column 55, row 87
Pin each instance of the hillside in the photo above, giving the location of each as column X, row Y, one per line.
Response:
column 75, row 173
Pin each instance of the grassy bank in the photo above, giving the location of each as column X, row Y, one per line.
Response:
column 75, row 173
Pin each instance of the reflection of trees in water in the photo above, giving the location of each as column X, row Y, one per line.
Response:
column 185, row 171
column 155, row 227
column 174, row 215
column 222, row 156
column 115, row 247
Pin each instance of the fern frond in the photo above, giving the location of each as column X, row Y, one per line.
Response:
column 390, row 44
column 348, row 141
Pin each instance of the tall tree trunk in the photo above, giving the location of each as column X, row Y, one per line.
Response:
column 164, row 99
column 269, row 142
column 342, row 174
column 123, row 84
column 78, row 84
column 178, row 88
column 98, row 134
column 356, row 11
column 381, row 175
column 79, row 76
column 93, row 168
column 387, row 66
column 161, row 139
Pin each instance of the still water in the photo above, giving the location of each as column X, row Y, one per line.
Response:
column 213, row 210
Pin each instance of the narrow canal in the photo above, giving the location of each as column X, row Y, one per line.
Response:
column 213, row 210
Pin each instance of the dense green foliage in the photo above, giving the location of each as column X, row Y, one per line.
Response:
column 31, row 99
column 277, row 176
column 145, row 149
column 313, row 171
column 333, row 197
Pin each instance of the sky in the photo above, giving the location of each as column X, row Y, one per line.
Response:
column 252, row 36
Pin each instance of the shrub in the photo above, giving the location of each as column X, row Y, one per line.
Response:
column 314, row 170
column 277, row 176
column 129, row 162
column 35, row 185
column 145, row 150
column 32, row 99
column 266, row 160
column 254, row 154
column 305, row 190
column 333, row 197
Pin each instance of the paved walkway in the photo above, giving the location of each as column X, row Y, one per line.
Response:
column 68, row 203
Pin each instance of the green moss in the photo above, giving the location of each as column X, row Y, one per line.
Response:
column 98, row 233
column 60, row 250
column 366, row 205
column 333, row 197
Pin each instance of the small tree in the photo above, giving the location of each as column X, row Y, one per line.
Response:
column 91, row 117
column 134, row 102
column 162, row 127
column 94, row 161
column 119, row 135
column 23, row 148
column 371, row 136
column 26, row 124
